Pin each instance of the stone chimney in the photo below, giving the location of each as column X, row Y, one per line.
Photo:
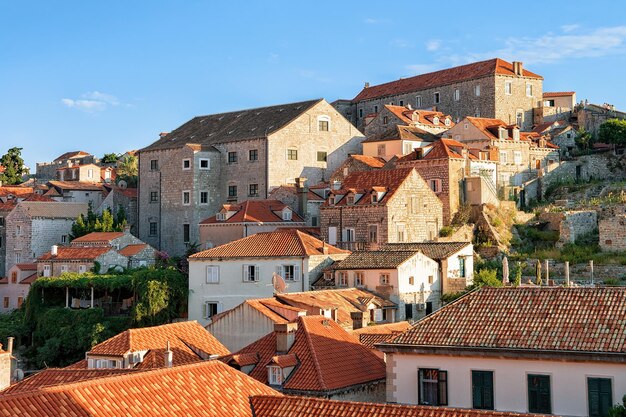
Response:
column 302, row 191
column 367, row 85
column 518, row 68
column 285, row 336
column 169, row 356
column 163, row 134
column 54, row 251
column 357, row 319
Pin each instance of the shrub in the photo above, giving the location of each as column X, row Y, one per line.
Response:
column 487, row 277
column 446, row 231
column 613, row 282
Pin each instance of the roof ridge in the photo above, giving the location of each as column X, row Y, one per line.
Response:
column 316, row 100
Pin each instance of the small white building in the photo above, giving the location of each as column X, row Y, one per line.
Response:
column 223, row 277
column 543, row 350
column 15, row 286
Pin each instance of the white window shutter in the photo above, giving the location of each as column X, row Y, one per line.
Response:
column 378, row 315
column 257, row 277
column 245, row 273
column 279, row 271
column 204, row 310
column 296, row 273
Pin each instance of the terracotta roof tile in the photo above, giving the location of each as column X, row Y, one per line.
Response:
column 434, row 250
column 549, row 94
column 54, row 376
column 425, row 117
column 538, row 319
column 72, row 155
column 364, row 181
column 98, row 237
column 66, row 253
column 256, row 211
column 317, row 343
column 20, row 192
column 374, row 260
column 27, row 267
column 442, row 77
column 60, row 210
column 29, row 279
column 132, row 250
column 279, row 243
column 399, row 132
column 292, row 406
column 371, row 161
column 76, row 185
column 209, row 388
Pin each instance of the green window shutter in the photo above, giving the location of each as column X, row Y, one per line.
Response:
column 600, row 396
column 482, row 390
column 443, row 388
column 539, row 397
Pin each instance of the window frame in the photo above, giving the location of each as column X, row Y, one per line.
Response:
column 215, row 274
column 477, row 90
column 186, row 164
column 538, row 409
column 418, row 102
column 441, row 384
column 255, row 275
column 274, row 375
column 208, row 164
column 201, row 194
column 292, row 154
column 359, row 278
column 252, row 187
column 186, row 197
column 253, row 155
column 487, row 400
column 457, row 94
column 186, row 233
column 508, row 88
column 155, row 224
column 600, row 405
column 322, row 156
column 206, row 311
column 323, row 124
column 384, row 278
column 154, row 165
column 154, row 196
column 232, row 157
column 230, row 189
column 436, row 97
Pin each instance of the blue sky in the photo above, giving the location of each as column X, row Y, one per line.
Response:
column 109, row 76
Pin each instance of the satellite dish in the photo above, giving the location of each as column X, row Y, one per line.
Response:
column 122, row 184
column 279, row 283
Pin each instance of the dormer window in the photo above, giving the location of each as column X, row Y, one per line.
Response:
column 220, row 217
column 331, row 200
column 350, row 200
column 515, row 134
column 274, row 375
column 374, row 198
column 287, row 214
column 447, row 121
column 502, row 133
column 435, row 120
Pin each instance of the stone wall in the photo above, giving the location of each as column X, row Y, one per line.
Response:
column 576, row 224
column 612, row 233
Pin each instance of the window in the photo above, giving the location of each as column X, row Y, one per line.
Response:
column 46, row 271
column 0, row 241
column 508, row 88
column 414, row 202
column 314, row 221
column 539, row 397
column 154, row 196
column 360, row 112
column 517, row 157
column 6, row 302
column 358, row 279
column 372, row 233
column 232, row 157
column 253, row 190
column 250, row 273
column 400, row 233
column 408, row 311
column 186, row 198
column 385, row 120
column 431, row 279
column 435, row 120
column 519, row 117
column 384, row 279
column 292, row 154
column 253, row 155
column 599, row 396
column 447, row 122
column 64, row 239
column 20, row 300
column 275, row 375
column 212, row 274
column 418, row 102
column 90, row 173
column 323, row 123
column 204, row 197
column 18, row 230
column 411, row 280
column 407, row 148
column 64, row 269
column 154, row 165
column 210, row 309
column 348, row 234
column 153, row 229
column 350, row 200
column 289, row 272
column 186, row 164
column 529, row 90
column 503, row 157
column 82, row 269
column 18, row 258
column 457, row 94
column 232, row 191
column 435, row 185
column 436, row 98
column 186, row 233
column 13, row 277
column 482, row 390
column 375, row 109
column 322, row 156
column 381, row 150
column 105, row 364
column 343, row 279
column 477, row 90
column 433, row 387
column 402, row 102
column 462, row 269
column 374, row 198
column 1, row 221
column 205, row 163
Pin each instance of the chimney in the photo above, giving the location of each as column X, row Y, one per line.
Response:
column 10, row 344
column 408, row 106
column 324, row 248
column 367, row 85
column 357, row 319
column 518, row 68
column 54, row 251
column 419, row 153
column 163, row 134
column 169, row 356
column 302, row 190
column 285, row 336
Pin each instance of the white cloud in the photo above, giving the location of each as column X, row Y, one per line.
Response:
column 433, row 44
column 92, row 101
column 400, row 43
column 569, row 28
column 421, row 68
column 551, row 48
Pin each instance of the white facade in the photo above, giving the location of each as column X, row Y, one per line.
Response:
column 387, row 149
column 568, row 380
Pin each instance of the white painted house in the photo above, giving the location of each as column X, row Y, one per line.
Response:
column 543, row 350
column 225, row 276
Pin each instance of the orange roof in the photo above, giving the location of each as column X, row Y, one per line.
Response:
column 273, row 309
column 98, row 237
column 317, row 342
column 558, row 94
column 207, row 389
column 279, row 243
column 27, row 267
column 65, row 253
column 132, row 250
column 300, row 406
column 76, row 185
column 370, row 335
column 371, row 161
column 71, row 155
column 364, row 181
column 29, row 279
column 256, row 211
column 38, row 197
column 54, row 376
column 188, row 340
column 20, row 192
column 442, row 77
column 425, row 117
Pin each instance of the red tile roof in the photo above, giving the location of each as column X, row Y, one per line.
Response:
column 274, row 309
column 54, row 376
column 279, row 243
column 29, row 279
column 549, row 94
column 425, row 117
column 207, row 389
column 98, row 237
column 20, row 192
column 67, row 253
column 76, row 185
column 442, row 77
column 299, row 406
column 132, row 250
column 188, row 340
column 27, row 267
column 363, row 181
column 329, row 358
column 371, row 161
column 560, row 319
column 255, row 211
column 72, row 155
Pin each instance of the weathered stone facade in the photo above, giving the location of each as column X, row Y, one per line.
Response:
column 48, row 170
column 308, row 140
column 125, row 199
column 108, row 262
column 612, row 229
column 591, row 116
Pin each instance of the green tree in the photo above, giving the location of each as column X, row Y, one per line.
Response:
column 613, row 131
column 487, row 277
column 583, row 139
column 618, row 410
column 93, row 222
column 128, row 166
column 13, row 167
column 110, row 158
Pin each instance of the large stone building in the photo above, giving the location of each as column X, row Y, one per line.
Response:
column 189, row 173
column 493, row 88
column 48, row 170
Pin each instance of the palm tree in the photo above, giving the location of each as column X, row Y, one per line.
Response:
column 127, row 166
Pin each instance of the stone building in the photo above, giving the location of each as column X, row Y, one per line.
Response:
column 189, row 173
column 396, row 141
column 121, row 199
column 33, row 227
column 76, row 192
column 557, row 105
column 445, row 165
column 560, row 133
column 86, row 173
column 612, row 229
column 305, row 200
column 430, row 121
column 493, row 88
column 48, row 170
column 591, row 116
column 357, row 163
column 382, row 206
